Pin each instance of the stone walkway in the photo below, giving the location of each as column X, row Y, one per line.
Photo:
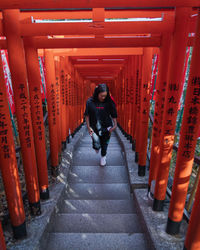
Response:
column 97, row 210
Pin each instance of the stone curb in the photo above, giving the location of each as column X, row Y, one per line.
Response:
column 38, row 227
column 135, row 180
column 155, row 223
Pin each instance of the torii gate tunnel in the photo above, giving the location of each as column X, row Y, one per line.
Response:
column 84, row 43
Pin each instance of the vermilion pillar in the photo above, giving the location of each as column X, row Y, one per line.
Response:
column 33, row 71
column 133, row 96
column 69, row 98
column 19, row 79
column 145, row 106
column 138, row 105
column 63, row 102
column 51, row 102
column 67, row 83
column 129, row 106
column 189, row 134
column 8, row 165
column 58, row 119
column 2, row 240
column 193, row 234
column 126, row 103
column 176, row 63
column 159, row 105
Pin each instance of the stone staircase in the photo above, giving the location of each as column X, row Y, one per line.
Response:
column 97, row 210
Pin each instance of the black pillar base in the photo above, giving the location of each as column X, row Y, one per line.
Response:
column 184, row 248
column 133, row 145
column 131, row 139
column 55, row 171
column 64, row 146
column 59, row 158
column 35, row 208
column 149, row 188
column 19, row 232
column 141, row 170
column 173, row 227
column 158, row 205
column 136, row 157
column 44, row 194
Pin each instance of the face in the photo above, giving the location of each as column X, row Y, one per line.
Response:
column 102, row 96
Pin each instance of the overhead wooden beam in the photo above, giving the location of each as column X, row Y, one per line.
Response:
column 91, row 65
column 139, row 27
column 43, row 29
column 60, row 4
column 89, row 15
column 95, row 52
column 97, row 43
column 102, row 44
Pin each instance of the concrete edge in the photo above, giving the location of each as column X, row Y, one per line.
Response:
column 154, row 223
column 136, row 182
column 132, row 167
column 38, row 227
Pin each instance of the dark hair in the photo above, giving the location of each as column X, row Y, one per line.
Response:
column 99, row 89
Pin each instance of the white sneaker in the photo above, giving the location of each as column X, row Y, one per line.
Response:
column 103, row 161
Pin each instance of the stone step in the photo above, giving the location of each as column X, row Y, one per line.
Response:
column 96, row 223
column 89, row 158
column 96, row 174
column 97, row 206
column 93, row 241
column 86, row 191
column 114, row 147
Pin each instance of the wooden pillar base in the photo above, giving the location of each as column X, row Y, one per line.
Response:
column 133, row 144
column 158, row 205
column 136, row 157
column 173, row 227
column 141, row 170
column 44, row 194
column 19, row 232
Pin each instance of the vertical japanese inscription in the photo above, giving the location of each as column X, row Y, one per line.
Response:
column 25, row 120
column 53, row 102
column 38, row 115
column 192, row 118
column 3, row 130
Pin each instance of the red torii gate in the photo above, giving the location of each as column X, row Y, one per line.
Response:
column 121, row 74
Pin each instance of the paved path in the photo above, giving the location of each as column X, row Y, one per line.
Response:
column 97, row 211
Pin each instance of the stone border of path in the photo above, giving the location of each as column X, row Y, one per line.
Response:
column 154, row 223
column 37, row 229
column 135, row 180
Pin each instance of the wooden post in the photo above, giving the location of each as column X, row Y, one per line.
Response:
column 19, row 79
column 159, row 106
column 33, row 72
column 144, row 112
column 51, row 101
column 8, row 166
column 186, row 150
column 138, row 104
column 177, row 56
column 63, row 102
column 58, row 114
column 2, row 240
